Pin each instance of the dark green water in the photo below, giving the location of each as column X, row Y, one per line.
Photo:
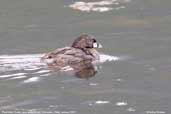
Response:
column 138, row 84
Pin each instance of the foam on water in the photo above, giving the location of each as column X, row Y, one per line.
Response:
column 105, row 58
column 12, row 75
column 99, row 6
column 121, row 103
column 42, row 71
column 33, row 79
column 102, row 102
column 19, row 77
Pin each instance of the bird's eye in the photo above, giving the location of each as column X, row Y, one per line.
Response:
column 94, row 40
column 49, row 57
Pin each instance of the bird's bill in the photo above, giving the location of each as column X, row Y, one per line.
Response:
column 97, row 45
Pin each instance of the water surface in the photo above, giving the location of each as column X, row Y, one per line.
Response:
column 138, row 33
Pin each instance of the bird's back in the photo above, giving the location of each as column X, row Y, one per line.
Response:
column 67, row 56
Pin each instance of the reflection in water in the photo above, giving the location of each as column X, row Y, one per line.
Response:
column 86, row 72
column 84, row 69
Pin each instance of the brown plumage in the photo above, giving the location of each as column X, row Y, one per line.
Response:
column 81, row 52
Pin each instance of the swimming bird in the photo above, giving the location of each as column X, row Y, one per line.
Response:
column 81, row 53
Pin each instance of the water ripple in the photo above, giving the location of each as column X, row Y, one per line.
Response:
column 31, row 68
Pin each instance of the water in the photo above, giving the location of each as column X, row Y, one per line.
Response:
column 135, row 33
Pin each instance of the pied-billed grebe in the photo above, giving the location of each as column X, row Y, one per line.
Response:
column 82, row 51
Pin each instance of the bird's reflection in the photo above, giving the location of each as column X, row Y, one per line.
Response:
column 84, row 69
